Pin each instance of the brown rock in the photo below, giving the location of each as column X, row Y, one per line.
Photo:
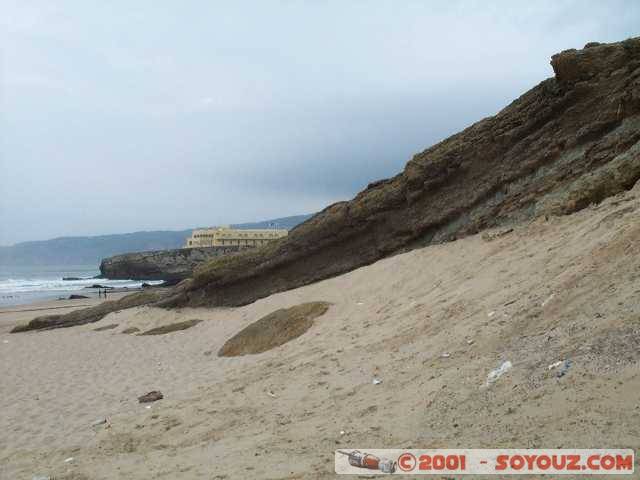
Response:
column 172, row 327
column 92, row 314
column 273, row 330
column 153, row 396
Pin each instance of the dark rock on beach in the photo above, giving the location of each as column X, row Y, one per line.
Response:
column 151, row 397
column 92, row 314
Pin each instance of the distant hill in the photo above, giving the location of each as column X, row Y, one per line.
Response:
column 90, row 250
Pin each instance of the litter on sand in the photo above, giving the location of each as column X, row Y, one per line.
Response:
column 548, row 300
column 554, row 365
column 498, row 372
column 376, row 381
column 271, row 394
column 564, row 368
column 445, row 355
column 70, row 459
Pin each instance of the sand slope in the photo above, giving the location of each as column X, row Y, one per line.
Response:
column 550, row 290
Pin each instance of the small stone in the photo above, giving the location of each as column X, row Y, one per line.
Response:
column 153, row 396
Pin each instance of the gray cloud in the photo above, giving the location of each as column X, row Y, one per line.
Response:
column 167, row 115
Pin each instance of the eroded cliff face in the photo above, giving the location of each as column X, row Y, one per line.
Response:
column 571, row 141
column 168, row 265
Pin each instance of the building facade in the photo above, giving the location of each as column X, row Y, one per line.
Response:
column 226, row 236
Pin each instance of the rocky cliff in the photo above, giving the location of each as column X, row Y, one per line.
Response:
column 176, row 264
column 572, row 140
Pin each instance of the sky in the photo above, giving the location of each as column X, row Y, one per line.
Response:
column 128, row 115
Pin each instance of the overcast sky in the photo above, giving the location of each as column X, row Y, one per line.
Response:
column 137, row 115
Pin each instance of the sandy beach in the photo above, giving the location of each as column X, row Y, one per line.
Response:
column 431, row 324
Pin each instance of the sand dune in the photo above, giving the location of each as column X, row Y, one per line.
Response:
column 566, row 288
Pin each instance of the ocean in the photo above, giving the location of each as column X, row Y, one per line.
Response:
column 24, row 285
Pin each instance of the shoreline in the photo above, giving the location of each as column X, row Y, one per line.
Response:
column 63, row 295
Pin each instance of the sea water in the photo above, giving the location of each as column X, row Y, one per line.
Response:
column 23, row 285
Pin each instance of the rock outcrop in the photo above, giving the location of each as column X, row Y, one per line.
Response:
column 169, row 265
column 92, row 314
column 572, row 140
